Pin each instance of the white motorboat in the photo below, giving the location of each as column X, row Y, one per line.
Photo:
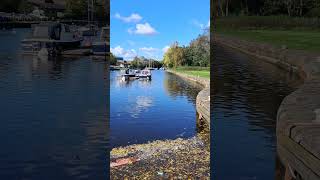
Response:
column 55, row 37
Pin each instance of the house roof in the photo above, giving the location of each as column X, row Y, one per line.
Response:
column 57, row 4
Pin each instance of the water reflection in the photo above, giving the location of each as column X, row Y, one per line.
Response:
column 247, row 94
column 176, row 87
column 53, row 116
column 142, row 111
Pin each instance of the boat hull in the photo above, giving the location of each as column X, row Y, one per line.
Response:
column 101, row 49
column 34, row 46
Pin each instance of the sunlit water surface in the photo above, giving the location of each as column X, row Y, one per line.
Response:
column 142, row 111
column 247, row 95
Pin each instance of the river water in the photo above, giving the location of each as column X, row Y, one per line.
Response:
column 53, row 115
column 247, row 94
column 143, row 111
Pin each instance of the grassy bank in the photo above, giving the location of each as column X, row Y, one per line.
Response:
column 194, row 71
column 294, row 33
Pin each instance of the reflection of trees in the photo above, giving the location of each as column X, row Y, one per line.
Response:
column 176, row 86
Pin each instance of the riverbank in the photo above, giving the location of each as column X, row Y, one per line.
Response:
column 296, row 33
column 203, row 97
column 180, row 158
column 298, row 123
column 203, row 72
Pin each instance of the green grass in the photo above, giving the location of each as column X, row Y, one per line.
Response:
column 308, row 40
column 293, row 32
column 194, row 71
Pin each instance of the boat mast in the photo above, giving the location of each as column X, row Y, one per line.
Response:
column 90, row 11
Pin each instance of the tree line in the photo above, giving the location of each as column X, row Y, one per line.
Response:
column 138, row 62
column 197, row 53
column 75, row 9
column 292, row 8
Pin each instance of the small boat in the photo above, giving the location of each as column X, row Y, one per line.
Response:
column 89, row 30
column 102, row 45
column 137, row 72
column 128, row 75
column 53, row 37
column 146, row 73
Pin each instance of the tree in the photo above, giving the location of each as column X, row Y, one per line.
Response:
column 174, row 56
column 113, row 59
column 24, row 7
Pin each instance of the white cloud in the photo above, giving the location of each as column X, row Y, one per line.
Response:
column 199, row 24
column 149, row 52
column 143, row 29
column 148, row 49
column 134, row 17
column 126, row 54
column 165, row 49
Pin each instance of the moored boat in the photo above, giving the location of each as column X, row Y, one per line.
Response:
column 54, row 37
column 146, row 73
column 102, row 45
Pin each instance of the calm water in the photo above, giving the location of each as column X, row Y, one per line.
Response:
column 247, row 94
column 53, row 116
column 142, row 111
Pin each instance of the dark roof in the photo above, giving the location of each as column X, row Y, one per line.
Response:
column 57, row 4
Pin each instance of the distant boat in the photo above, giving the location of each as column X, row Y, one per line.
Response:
column 101, row 46
column 129, row 74
column 54, row 37
column 146, row 73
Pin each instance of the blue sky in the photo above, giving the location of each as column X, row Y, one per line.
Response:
column 148, row 27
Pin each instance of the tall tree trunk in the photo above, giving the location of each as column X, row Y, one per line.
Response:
column 220, row 4
column 227, row 7
column 288, row 4
column 247, row 7
column 301, row 8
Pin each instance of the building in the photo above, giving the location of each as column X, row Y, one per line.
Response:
column 52, row 8
column 122, row 63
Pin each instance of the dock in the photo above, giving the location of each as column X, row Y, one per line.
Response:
column 76, row 52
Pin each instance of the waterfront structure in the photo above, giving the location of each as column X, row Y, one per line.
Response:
column 53, row 8
column 102, row 45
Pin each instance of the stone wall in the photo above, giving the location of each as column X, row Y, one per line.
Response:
column 203, row 97
column 298, row 118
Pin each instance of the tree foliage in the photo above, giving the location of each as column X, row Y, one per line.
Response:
column 113, row 59
column 295, row 8
column 78, row 9
column 197, row 53
column 142, row 62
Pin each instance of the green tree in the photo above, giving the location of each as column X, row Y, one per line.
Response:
column 76, row 9
column 174, row 56
column 113, row 59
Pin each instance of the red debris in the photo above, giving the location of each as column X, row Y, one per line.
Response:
column 124, row 161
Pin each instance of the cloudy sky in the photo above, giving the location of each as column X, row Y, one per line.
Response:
column 148, row 27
